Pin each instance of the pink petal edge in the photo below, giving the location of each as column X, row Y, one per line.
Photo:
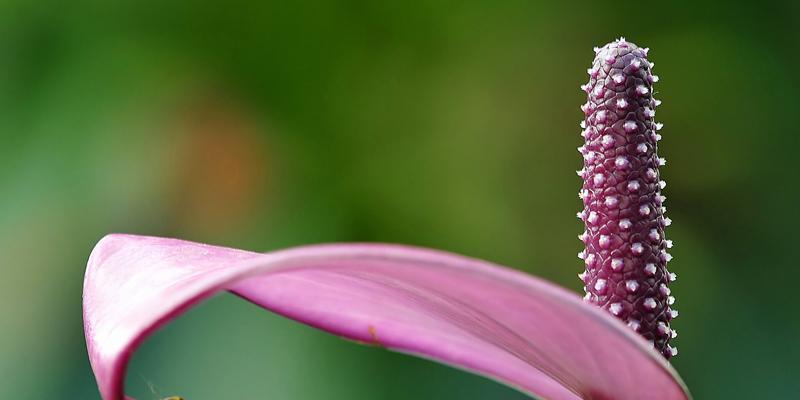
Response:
column 470, row 314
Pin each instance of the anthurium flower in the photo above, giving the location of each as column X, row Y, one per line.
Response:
column 481, row 317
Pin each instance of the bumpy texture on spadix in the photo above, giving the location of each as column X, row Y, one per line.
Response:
column 626, row 251
column 472, row 314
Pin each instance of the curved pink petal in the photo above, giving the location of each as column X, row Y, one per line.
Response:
column 467, row 313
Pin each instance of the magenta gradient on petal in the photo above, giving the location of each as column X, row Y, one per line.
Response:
column 471, row 314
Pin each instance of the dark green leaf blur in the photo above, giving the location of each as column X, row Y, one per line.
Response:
column 448, row 124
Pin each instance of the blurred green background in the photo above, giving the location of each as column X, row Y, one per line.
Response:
column 447, row 124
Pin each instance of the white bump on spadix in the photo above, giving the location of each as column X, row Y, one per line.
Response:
column 650, row 269
column 600, row 285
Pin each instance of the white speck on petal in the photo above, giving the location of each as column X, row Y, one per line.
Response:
column 632, row 286
column 617, row 264
column 615, row 308
column 650, row 269
column 625, row 224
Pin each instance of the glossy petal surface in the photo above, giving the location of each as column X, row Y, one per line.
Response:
column 464, row 312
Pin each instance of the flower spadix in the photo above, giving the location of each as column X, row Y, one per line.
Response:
column 626, row 251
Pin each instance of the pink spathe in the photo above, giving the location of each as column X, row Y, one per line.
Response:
column 471, row 314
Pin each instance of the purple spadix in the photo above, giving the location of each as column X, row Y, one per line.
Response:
column 626, row 252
